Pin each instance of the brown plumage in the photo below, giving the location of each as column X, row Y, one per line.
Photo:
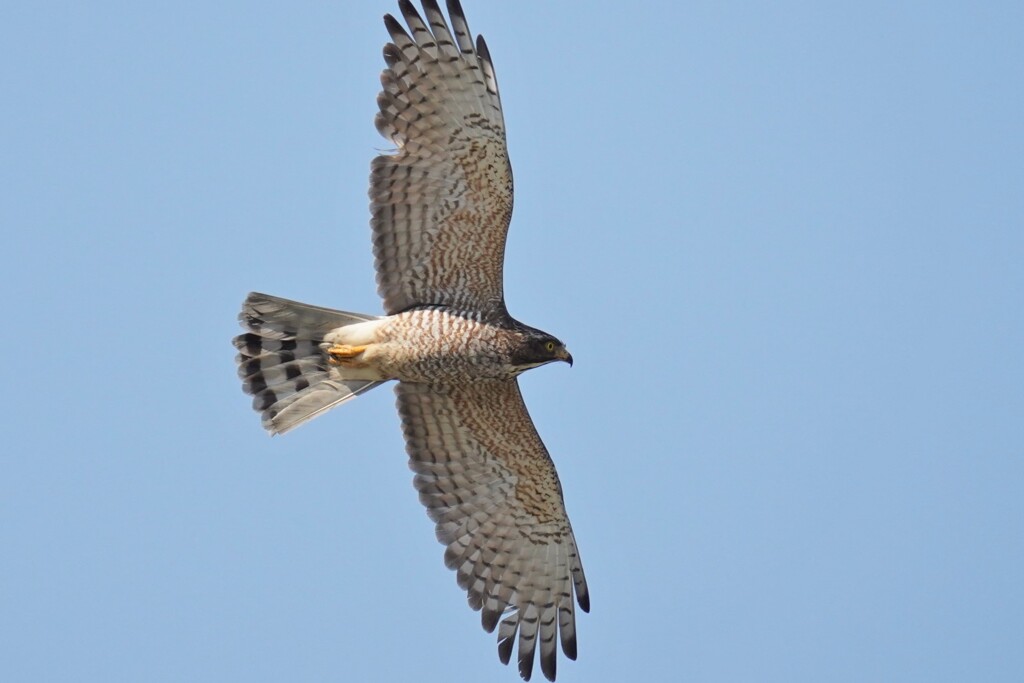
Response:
column 441, row 206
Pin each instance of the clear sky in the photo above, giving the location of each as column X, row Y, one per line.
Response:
column 783, row 240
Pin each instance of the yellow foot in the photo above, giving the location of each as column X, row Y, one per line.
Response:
column 343, row 354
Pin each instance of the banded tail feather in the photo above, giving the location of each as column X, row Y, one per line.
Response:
column 282, row 365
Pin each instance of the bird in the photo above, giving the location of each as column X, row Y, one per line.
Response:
column 441, row 204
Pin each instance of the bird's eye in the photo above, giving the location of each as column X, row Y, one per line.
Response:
column 550, row 346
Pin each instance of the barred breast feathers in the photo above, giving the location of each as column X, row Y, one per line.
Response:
column 435, row 344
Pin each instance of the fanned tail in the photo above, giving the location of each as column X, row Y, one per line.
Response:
column 282, row 365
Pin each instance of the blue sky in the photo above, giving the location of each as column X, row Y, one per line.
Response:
column 784, row 242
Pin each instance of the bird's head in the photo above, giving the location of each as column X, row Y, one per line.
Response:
column 537, row 348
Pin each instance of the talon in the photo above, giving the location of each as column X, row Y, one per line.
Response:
column 343, row 354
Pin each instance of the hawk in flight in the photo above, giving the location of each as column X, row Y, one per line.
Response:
column 441, row 205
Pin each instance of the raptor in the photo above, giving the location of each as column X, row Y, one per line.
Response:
column 441, row 204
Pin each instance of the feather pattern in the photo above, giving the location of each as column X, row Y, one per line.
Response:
column 282, row 365
column 441, row 204
column 488, row 483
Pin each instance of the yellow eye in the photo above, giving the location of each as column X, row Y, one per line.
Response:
column 550, row 346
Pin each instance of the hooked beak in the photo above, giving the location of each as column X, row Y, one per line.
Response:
column 564, row 355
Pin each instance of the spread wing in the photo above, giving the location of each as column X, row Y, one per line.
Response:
column 488, row 482
column 442, row 202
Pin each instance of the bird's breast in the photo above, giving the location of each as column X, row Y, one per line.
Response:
column 439, row 345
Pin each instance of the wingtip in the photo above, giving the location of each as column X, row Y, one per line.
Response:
column 505, row 649
column 394, row 27
column 548, row 665
column 526, row 667
column 455, row 9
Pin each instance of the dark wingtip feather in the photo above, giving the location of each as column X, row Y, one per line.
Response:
column 394, row 28
column 431, row 5
column 505, row 648
column 569, row 647
column 489, row 619
column 548, row 665
column 525, row 666
column 487, row 66
column 392, row 56
column 411, row 14
column 406, row 6
column 455, row 10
